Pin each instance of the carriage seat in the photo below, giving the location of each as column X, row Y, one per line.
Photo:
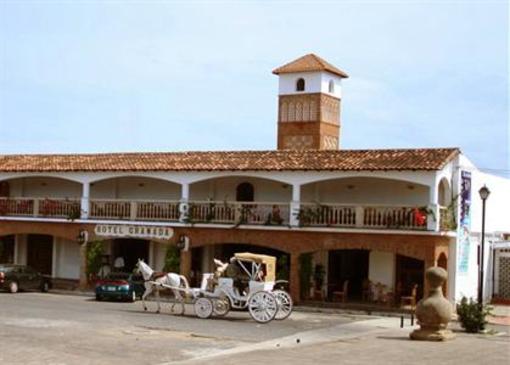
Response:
column 207, row 282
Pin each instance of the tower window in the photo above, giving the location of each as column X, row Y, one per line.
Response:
column 300, row 85
column 331, row 87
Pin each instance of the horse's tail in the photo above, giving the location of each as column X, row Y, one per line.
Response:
column 184, row 281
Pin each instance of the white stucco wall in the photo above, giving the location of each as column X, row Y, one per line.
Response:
column 43, row 187
column 366, row 191
column 466, row 284
column 381, row 268
column 159, row 253
column 315, row 82
column 67, row 265
column 135, row 188
column 20, row 249
column 225, row 189
column 128, row 185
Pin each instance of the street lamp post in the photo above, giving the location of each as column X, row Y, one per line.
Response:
column 484, row 194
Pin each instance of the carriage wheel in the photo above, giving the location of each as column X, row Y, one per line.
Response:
column 221, row 306
column 204, row 308
column 285, row 304
column 263, row 306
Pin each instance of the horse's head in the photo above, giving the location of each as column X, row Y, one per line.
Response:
column 220, row 268
column 142, row 268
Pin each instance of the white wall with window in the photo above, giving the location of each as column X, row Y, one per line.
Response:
column 315, row 82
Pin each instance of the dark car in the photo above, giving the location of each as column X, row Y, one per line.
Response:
column 14, row 278
column 120, row 286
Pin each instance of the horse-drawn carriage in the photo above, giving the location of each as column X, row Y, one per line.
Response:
column 246, row 282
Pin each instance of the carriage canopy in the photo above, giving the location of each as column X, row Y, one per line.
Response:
column 268, row 261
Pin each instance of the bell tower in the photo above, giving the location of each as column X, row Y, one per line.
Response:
column 309, row 98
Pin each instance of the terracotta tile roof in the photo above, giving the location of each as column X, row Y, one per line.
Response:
column 308, row 63
column 283, row 160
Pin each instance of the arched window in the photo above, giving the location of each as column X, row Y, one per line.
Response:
column 300, row 85
column 331, row 87
column 245, row 192
column 444, row 197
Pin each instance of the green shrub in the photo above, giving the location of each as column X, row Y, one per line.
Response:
column 94, row 252
column 172, row 259
column 472, row 315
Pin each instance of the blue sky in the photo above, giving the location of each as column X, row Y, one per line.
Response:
column 90, row 76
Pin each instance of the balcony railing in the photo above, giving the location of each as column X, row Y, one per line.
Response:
column 235, row 213
column 40, row 207
column 364, row 216
column 395, row 217
column 312, row 214
column 239, row 212
column 144, row 210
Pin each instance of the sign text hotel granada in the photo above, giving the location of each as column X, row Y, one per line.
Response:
column 118, row 230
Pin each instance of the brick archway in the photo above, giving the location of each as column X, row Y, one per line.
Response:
column 295, row 243
column 421, row 247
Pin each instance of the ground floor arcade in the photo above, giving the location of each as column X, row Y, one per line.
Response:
column 317, row 264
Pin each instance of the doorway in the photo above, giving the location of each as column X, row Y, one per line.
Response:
column 349, row 265
column 40, row 253
column 409, row 272
column 130, row 250
column 245, row 192
column 7, row 249
column 224, row 252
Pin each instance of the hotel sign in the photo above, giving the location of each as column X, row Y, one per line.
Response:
column 123, row 230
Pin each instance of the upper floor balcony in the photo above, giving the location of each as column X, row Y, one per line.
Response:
column 344, row 203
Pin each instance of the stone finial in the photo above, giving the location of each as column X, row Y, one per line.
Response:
column 435, row 311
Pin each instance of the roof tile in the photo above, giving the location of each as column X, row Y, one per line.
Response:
column 282, row 160
column 309, row 63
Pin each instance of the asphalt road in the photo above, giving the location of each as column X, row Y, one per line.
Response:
column 37, row 328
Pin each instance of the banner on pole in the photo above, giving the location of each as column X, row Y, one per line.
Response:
column 464, row 230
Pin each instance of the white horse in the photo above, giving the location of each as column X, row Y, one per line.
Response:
column 158, row 280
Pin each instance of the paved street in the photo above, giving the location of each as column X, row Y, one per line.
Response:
column 40, row 328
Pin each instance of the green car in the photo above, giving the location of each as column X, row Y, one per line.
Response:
column 120, row 286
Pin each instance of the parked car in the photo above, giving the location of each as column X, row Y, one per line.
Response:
column 120, row 286
column 14, row 278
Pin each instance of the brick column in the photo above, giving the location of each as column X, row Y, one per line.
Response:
column 83, row 266
column 294, row 278
column 185, row 263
